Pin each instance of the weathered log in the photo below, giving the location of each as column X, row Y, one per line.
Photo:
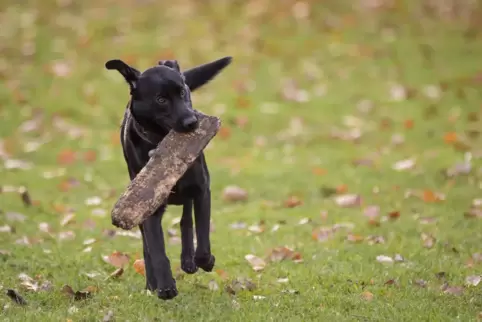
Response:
column 170, row 160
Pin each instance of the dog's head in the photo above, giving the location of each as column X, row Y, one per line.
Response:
column 162, row 93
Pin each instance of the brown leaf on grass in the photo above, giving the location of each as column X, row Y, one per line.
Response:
column 348, row 200
column 66, row 157
column 116, row 274
column 404, row 165
column 408, row 124
column 78, row 295
column 473, row 213
column 428, row 240
column 257, row 228
column 292, row 202
column 354, row 238
column 373, row 239
column 430, row 196
column 394, row 214
column 139, row 267
column 371, row 211
column 117, row 259
column 473, row 280
column 322, row 234
column 66, row 235
column 367, row 296
column 239, row 284
column 384, row 259
column 34, row 285
column 257, row 263
column 420, row 283
column 452, row 290
column 282, row 253
column 223, row 274
column 391, row 282
column 67, row 219
column 450, row 137
column 16, row 297
column 318, row 171
column 234, row 193
column 90, row 156
column 224, row 132
column 428, row 220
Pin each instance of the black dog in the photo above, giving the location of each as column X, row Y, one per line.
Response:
column 161, row 101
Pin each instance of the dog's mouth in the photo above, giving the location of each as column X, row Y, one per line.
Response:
column 186, row 125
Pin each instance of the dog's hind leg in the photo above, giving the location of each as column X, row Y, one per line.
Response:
column 187, row 254
column 161, row 267
column 202, row 214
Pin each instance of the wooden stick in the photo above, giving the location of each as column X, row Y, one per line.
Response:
column 170, row 160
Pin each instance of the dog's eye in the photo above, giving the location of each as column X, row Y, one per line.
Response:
column 183, row 93
column 161, row 100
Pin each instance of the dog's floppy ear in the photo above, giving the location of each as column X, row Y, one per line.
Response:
column 200, row 75
column 131, row 75
column 171, row 64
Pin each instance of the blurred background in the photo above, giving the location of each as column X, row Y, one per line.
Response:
column 376, row 102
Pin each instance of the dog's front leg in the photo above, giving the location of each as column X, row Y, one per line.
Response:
column 202, row 215
column 161, row 267
column 151, row 282
column 187, row 254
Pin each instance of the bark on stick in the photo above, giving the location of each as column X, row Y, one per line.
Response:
column 152, row 185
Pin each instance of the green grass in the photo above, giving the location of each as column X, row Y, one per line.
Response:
column 354, row 62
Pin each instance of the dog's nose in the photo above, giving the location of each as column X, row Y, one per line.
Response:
column 190, row 123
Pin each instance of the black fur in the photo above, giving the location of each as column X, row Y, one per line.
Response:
column 161, row 101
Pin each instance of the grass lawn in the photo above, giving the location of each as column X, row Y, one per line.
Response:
column 355, row 134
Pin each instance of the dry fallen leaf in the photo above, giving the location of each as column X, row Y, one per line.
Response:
column 453, row 290
column 78, row 295
column 473, row 280
column 239, row 284
column 281, row 253
column 139, row 267
column 117, row 273
column 67, row 219
column 257, row 228
column 117, row 259
column 371, row 211
column 420, row 283
column 428, row 240
column 234, row 193
column 348, row 200
column 403, row 165
column 394, row 214
column 367, row 296
column 384, row 259
column 256, row 263
column 354, row 238
column 292, row 202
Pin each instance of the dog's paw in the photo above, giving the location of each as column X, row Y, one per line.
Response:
column 168, row 292
column 205, row 262
column 188, row 265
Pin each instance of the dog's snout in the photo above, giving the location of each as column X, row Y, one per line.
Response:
column 190, row 123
